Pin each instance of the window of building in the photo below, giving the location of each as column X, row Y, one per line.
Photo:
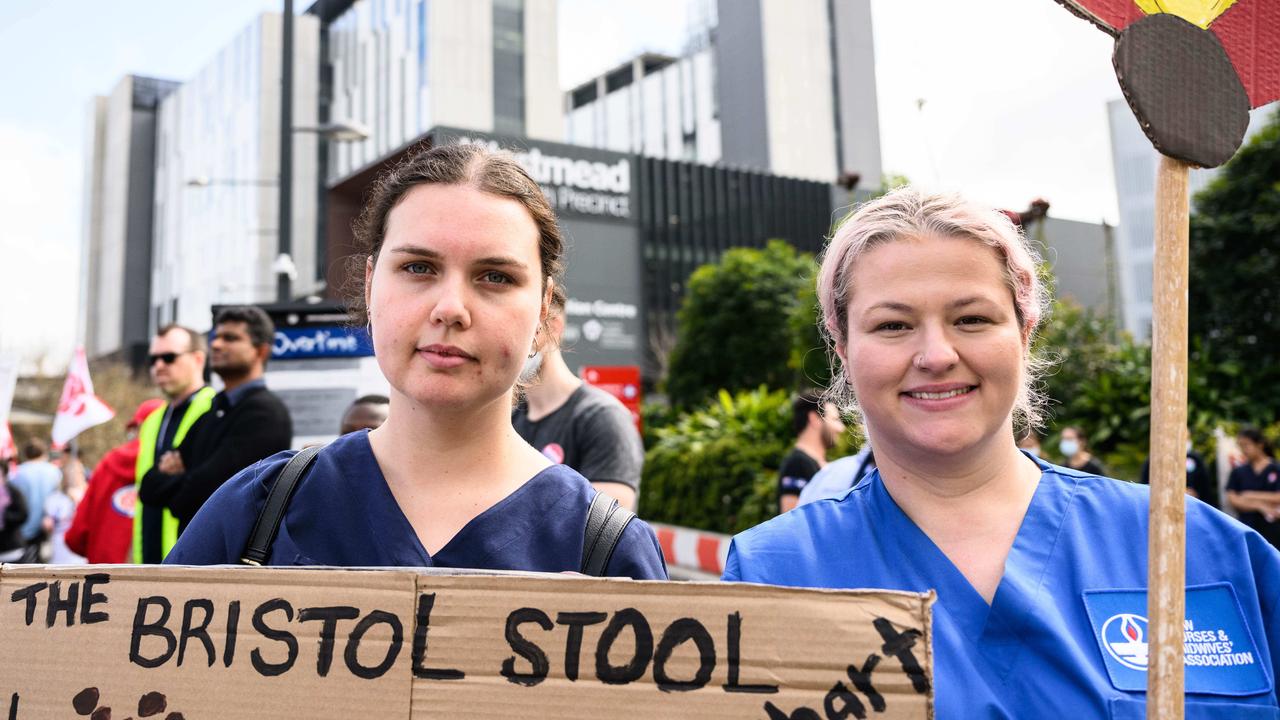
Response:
column 508, row 67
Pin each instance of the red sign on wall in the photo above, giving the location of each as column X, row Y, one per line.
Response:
column 620, row 381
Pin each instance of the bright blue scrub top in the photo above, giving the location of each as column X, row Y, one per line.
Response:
column 1053, row 642
column 343, row 514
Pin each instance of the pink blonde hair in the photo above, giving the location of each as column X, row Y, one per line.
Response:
column 907, row 213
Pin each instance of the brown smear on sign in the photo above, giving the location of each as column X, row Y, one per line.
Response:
column 469, row 645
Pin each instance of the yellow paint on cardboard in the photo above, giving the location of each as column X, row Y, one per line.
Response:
column 1198, row 12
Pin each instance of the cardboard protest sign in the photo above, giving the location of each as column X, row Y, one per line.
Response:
column 192, row 643
column 1192, row 69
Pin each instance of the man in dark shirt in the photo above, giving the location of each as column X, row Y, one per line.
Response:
column 573, row 423
column 817, row 426
column 246, row 423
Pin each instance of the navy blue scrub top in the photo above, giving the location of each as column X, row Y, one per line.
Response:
column 344, row 515
column 1066, row 633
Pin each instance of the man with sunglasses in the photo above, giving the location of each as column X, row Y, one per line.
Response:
column 246, row 423
column 176, row 362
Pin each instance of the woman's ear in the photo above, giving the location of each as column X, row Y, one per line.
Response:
column 543, row 335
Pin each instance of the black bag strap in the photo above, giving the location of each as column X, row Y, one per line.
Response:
column 606, row 521
column 268, row 525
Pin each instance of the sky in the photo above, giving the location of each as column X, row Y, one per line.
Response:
column 1004, row 100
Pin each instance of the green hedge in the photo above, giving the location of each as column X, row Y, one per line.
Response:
column 716, row 468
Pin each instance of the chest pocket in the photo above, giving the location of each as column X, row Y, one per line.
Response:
column 1132, row 709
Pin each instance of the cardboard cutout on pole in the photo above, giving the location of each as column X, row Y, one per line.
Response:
column 1190, row 70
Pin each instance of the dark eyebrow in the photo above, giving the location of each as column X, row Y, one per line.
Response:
column 416, row 250
column 428, row 253
column 501, row 262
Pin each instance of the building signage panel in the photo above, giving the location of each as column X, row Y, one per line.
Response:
column 576, row 181
column 320, row 342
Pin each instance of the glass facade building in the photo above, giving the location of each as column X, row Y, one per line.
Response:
column 755, row 78
column 217, row 177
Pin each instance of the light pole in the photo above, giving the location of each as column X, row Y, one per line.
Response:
column 285, row 221
column 340, row 132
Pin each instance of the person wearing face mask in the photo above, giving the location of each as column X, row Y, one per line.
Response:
column 1074, row 446
column 102, row 529
column 461, row 256
column 931, row 303
column 576, row 424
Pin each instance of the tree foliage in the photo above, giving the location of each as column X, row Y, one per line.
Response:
column 1235, row 274
column 735, row 326
column 715, row 468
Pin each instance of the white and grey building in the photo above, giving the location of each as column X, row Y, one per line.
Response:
column 182, row 201
column 782, row 86
column 217, row 177
column 402, row 67
column 117, row 219
column 1135, row 161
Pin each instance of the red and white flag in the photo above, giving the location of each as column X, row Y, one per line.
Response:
column 79, row 409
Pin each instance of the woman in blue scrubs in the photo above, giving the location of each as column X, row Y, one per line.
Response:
column 462, row 256
column 931, row 304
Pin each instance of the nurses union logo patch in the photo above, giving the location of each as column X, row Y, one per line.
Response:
column 1125, row 638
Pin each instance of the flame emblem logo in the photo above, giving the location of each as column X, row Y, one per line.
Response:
column 1125, row 638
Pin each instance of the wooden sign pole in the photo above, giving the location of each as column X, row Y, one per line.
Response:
column 1166, row 539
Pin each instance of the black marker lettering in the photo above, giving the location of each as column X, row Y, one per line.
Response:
column 233, row 626
column 141, row 627
column 861, row 679
column 899, row 645
column 573, row 644
column 328, row 617
column 735, row 661
column 422, row 624
column 200, row 632
column 13, row 705
column 263, row 667
column 850, row 705
column 525, row 648
column 803, row 713
column 678, row 632
column 633, row 670
column 57, row 604
column 393, row 650
column 29, row 593
column 89, row 598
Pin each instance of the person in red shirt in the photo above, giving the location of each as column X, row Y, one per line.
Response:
column 102, row 529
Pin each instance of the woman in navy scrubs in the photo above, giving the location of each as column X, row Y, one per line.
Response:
column 462, row 257
column 931, row 304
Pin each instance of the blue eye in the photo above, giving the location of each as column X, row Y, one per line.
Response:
column 417, row 268
column 493, row 276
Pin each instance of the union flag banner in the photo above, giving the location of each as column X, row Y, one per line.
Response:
column 78, row 409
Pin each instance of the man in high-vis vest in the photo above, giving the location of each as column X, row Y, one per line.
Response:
column 176, row 361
